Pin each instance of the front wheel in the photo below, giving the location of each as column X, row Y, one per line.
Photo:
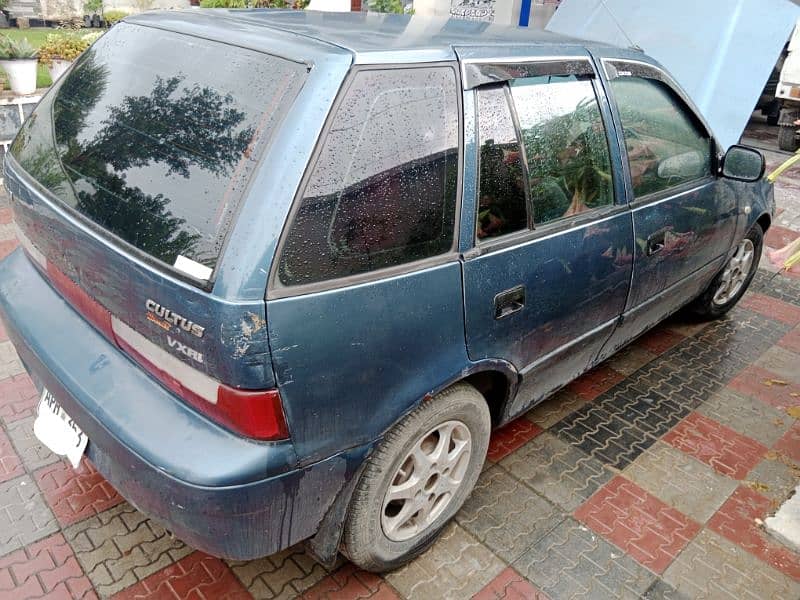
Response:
column 416, row 480
column 731, row 283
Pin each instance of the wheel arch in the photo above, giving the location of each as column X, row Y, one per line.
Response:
column 496, row 380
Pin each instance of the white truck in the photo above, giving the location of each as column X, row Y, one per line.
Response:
column 788, row 93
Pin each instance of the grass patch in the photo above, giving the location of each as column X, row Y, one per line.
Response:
column 36, row 36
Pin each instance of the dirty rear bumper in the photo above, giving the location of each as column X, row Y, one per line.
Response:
column 218, row 492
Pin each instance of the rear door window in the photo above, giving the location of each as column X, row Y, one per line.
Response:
column 566, row 146
column 382, row 191
column 502, row 202
column 153, row 137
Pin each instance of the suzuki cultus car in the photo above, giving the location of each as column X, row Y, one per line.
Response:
column 282, row 273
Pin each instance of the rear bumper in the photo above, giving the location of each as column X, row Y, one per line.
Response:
column 218, row 492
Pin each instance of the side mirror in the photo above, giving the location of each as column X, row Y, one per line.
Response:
column 683, row 166
column 743, row 164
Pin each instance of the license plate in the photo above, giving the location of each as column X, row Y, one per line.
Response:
column 56, row 430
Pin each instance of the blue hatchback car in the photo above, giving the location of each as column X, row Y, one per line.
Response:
column 283, row 272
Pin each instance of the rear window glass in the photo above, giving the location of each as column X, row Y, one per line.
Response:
column 153, row 136
column 383, row 189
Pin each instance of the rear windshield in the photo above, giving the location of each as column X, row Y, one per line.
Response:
column 153, row 136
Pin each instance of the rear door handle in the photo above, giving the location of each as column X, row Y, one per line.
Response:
column 655, row 243
column 508, row 302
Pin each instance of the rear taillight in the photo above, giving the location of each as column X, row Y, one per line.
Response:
column 253, row 413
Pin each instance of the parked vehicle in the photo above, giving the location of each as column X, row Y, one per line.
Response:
column 788, row 94
column 287, row 281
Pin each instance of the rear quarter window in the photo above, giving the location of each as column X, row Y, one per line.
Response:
column 382, row 191
column 153, row 137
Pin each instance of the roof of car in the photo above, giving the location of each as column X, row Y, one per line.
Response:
column 407, row 37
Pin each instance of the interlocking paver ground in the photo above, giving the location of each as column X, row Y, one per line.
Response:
column 457, row 566
column 672, row 451
column 505, row 515
column 24, row 516
column 712, row 567
column 737, row 521
column 645, row 527
column 561, row 473
column 121, row 546
column 573, row 562
column 282, row 575
column 33, row 453
column 747, row 416
column 728, row 452
column 775, row 476
column 45, row 568
column 684, row 483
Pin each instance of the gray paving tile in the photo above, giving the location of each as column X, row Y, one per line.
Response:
column 33, row 453
column 684, row 483
column 748, row 416
column 559, row 472
column 712, row 567
column 24, row 515
column 783, row 362
column 775, row 477
column 506, row 515
column 456, row 566
column 573, row 562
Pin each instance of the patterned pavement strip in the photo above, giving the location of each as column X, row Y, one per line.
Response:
column 646, row 478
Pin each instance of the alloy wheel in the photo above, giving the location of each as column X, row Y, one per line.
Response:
column 735, row 273
column 426, row 481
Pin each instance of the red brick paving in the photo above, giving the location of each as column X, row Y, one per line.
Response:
column 10, row 464
column 791, row 341
column 510, row 585
column 736, row 520
column 659, row 340
column 74, row 495
column 766, row 386
column 18, row 398
column 349, row 582
column 595, row 382
column 45, row 568
column 789, row 444
column 642, row 525
column 7, row 247
column 6, row 216
column 778, row 237
column 720, row 447
column 198, row 576
column 511, row 436
column 3, row 334
column 771, row 307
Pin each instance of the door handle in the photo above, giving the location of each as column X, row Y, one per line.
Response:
column 656, row 242
column 508, row 302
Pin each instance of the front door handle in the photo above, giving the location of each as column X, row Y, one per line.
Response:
column 508, row 302
column 656, row 242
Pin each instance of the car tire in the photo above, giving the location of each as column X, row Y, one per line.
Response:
column 410, row 488
column 787, row 138
column 732, row 282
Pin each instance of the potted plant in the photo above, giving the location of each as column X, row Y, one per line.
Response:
column 60, row 50
column 18, row 59
column 93, row 9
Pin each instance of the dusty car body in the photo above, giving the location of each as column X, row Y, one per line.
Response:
column 248, row 270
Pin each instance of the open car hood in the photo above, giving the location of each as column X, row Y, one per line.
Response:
column 721, row 51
